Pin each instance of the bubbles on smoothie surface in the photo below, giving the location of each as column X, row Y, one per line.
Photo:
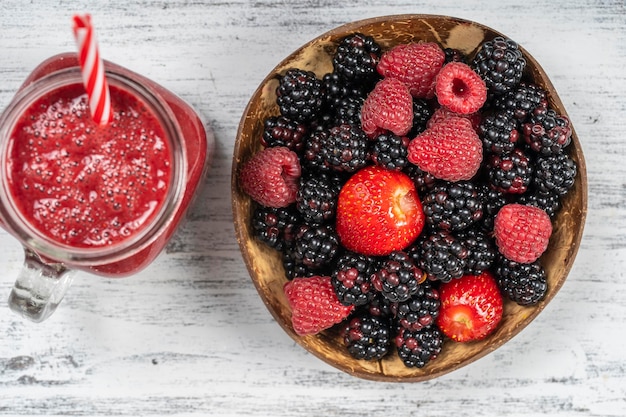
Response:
column 83, row 184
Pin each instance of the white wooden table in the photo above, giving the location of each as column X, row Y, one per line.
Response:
column 189, row 335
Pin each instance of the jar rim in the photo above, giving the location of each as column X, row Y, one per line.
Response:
column 52, row 249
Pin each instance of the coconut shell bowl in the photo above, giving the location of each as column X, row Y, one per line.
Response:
column 265, row 265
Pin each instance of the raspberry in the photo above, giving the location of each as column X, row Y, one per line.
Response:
column 271, row 176
column 460, row 89
column 450, row 150
column 443, row 113
column 389, row 106
column 415, row 64
column 314, row 304
column 522, row 232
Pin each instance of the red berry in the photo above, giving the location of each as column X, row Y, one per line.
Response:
column 460, row 89
column 450, row 150
column 471, row 307
column 442, row 113
column 522, row 232
column 378, row 212
column 314, row 304
column 389, row 106
column 415, row 64
column 271, row 176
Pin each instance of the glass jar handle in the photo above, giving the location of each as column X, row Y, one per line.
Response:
column 39, row 287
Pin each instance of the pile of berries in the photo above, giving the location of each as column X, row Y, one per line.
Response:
column 410, row 191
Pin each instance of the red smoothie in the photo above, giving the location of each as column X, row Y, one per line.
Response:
column 85, row 185
column 102, row 199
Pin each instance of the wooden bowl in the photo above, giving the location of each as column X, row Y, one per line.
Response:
column 264, row 264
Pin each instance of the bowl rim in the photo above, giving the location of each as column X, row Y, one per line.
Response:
column 303, row 341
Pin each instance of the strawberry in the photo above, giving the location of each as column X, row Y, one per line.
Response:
column 460, row 89
column 314, row 304
column 415, row 64
column 378, row 212
column 450, row 150
column 471, row 307
column 522, row 232
column 389, row 106
column 271, row 176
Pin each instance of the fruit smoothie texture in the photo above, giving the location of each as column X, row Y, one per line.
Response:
column 85, row 185
column 98, row 189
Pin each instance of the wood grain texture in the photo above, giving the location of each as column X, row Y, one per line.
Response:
column 190, row 336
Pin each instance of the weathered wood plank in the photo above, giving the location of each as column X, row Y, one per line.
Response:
column 189, row 336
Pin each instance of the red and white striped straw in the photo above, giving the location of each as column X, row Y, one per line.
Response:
column 92, row 69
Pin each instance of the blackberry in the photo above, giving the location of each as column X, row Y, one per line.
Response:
column 367, row 337
column 422, row 112
column 482, row 250
column 522, row 101
column 453, row 205
column 336, row 89
column 510, row 173
column 500, row 64
column 316, row 246
column 299, row 95
column 554, row 174
column 524, row 284
column 294, row 268
column 419, row 311
column 316, row 199
column 351, row 279
column 440, row 255
column 276, row 227
column 454, row 55
column 348, row 111
column 380, row 306
column 280, row 131
column 550, row 203
column 498, row 133
column 493, row 200
column 423, row 181
column 417, row 348
column 356, row 59
column 346, row 148
column 390, row 151
column 343, row 148
column 397, row 277
column 547, row 132
column 312, row 159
